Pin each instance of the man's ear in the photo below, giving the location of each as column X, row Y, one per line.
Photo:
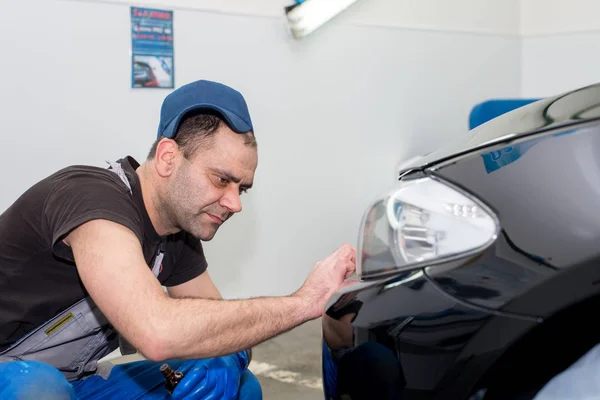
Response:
column 166, row 157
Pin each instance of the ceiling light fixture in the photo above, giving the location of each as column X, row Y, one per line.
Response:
column 306, row 16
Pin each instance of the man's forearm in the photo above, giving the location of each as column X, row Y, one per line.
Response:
column 200, row 328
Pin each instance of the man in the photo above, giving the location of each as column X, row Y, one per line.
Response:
column 85, row 252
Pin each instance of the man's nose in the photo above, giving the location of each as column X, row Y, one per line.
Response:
column 231, row 200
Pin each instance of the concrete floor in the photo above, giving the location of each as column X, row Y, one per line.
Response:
column 289, row 366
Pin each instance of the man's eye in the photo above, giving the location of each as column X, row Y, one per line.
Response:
column 242, row 190
column 222, row 181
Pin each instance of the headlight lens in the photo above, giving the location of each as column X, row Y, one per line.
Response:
column 422, row 222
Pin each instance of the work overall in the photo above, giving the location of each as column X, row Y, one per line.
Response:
column 74, row 340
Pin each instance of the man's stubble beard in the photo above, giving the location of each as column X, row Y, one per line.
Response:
column 175, row 212
column 172, row 205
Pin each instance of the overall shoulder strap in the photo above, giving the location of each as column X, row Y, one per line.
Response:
column 160, row 251
column 118, row 169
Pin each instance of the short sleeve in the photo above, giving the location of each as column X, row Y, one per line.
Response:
column 84, row 195
column 190, row 262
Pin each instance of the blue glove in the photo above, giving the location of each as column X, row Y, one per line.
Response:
column 212, row 378
column 250, row 387
column 33, row 380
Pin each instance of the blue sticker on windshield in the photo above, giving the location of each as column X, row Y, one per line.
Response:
column 497, row 159
column 501, row 158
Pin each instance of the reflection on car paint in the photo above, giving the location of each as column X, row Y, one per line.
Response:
column 497, row 159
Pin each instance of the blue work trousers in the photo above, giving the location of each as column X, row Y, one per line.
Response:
column 25, row 380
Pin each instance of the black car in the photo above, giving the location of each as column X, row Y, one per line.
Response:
column 479, row 272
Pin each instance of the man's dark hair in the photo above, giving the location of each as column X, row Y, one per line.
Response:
column 195, row 132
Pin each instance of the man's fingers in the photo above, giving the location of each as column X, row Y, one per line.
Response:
column 348, row 282
column 350, row 272
column 346, row 259
column 346, row 251
column 351, row 253
column 348, row 248
column 201, row 391
column 191, row 382
column 351, row 265
column 353, row 257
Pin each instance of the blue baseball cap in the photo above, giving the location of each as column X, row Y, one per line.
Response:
column 204, row 95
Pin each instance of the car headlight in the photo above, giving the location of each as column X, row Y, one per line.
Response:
column 422, row 222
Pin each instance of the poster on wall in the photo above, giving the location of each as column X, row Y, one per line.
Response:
column 152, row 48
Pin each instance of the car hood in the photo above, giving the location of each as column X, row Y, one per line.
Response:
column 571, row 107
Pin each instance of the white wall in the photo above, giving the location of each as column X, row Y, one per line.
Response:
column 333, row 113
column 550, row 17
column 481, row 16
column 561, row 45
column 553, row 64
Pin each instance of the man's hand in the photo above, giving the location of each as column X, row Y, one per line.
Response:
column 326, row 277
column 214, row 378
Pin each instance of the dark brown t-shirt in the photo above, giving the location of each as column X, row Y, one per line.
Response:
column 38, row 277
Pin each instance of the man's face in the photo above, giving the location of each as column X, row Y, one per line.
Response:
column 205, row 191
